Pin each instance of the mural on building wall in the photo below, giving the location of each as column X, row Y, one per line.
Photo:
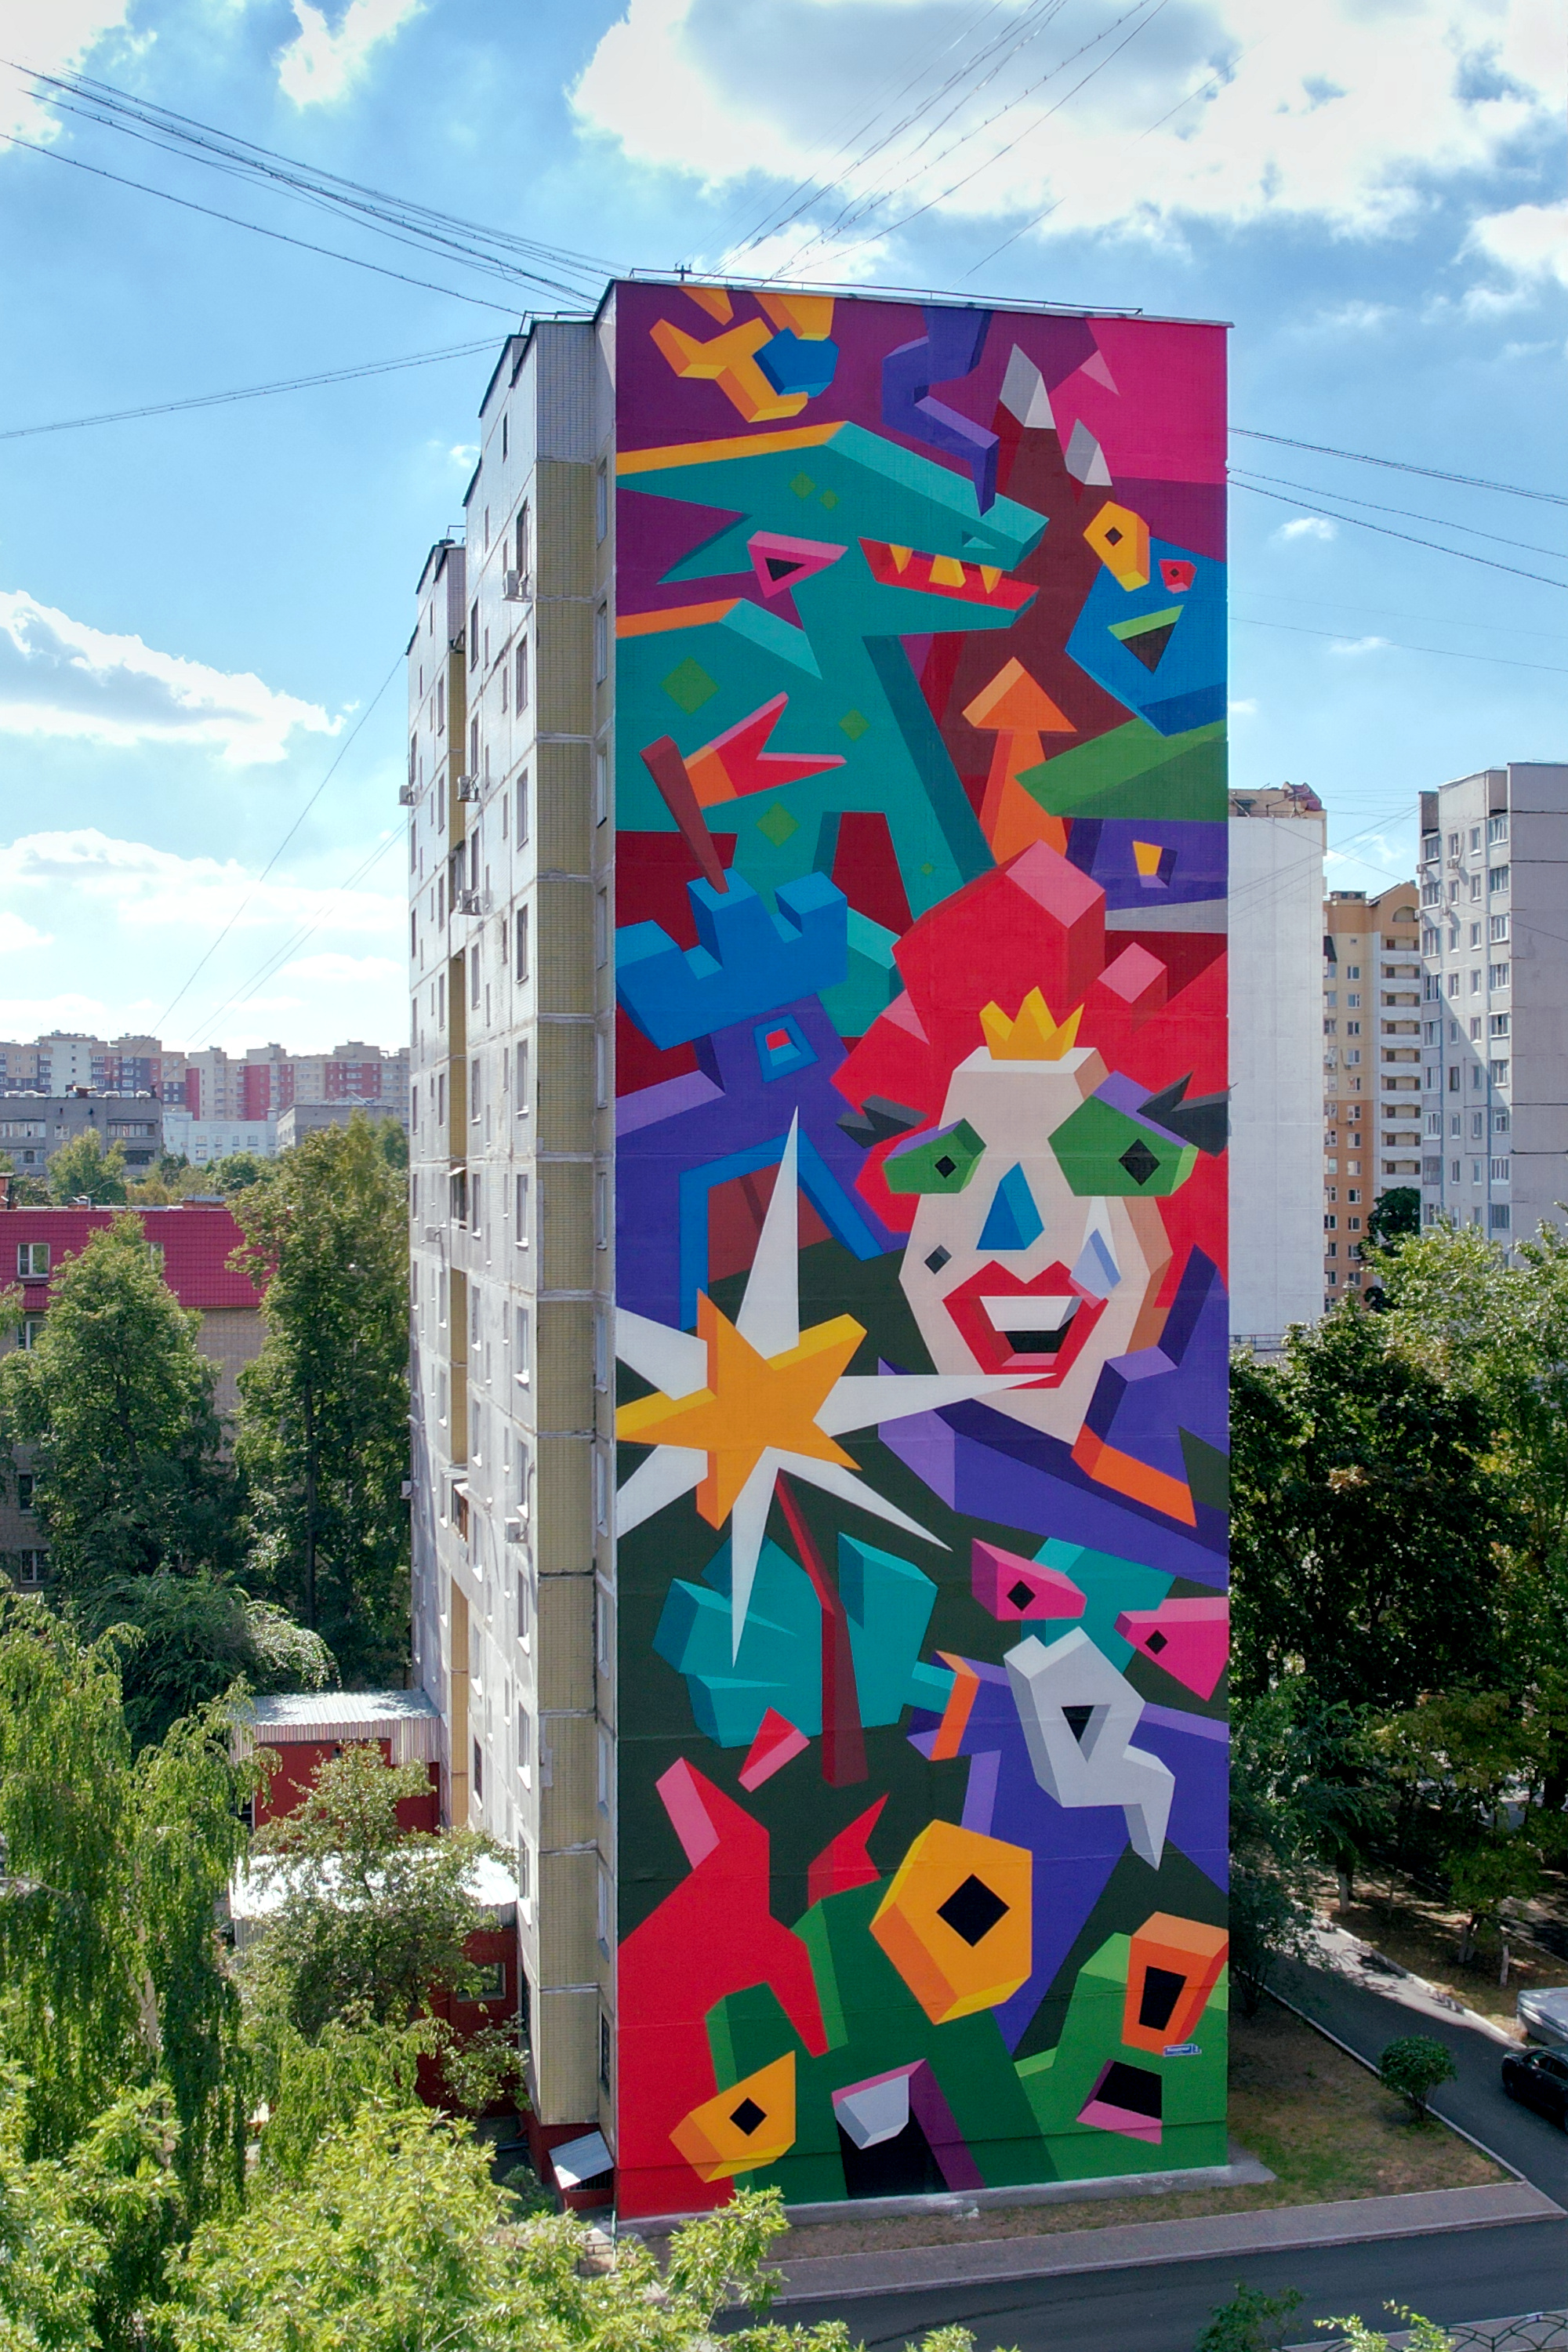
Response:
column 921, row 1247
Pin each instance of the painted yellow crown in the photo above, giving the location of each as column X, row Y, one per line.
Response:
column 1033, row 1036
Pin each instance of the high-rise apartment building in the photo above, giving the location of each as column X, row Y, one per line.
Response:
column 1494, row 1015
column 1278, row 837
column 817, row 930
column 1372, row 1068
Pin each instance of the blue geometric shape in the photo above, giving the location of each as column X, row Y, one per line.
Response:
column 781, row 1046
column 746, row 960
column 844, row 1216
column 779, row 1664
column 1012, row 1222
column 1187, row 689
column 791, row 365
column 889, row 1601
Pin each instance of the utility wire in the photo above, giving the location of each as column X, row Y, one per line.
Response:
column 303, row 245
column 343, row 750
column 248, row 391
column 1358, row 523
column 272, row 963
column 1446, row 653
column 1400, row 465
column 1314, row 490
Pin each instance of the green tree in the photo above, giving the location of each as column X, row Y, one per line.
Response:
column 1458, row 1759
column 1413, row 2067
column 240, row 1169
column 1251, row 2322
column 323, row 1437
column 181, row 1641
column 1357, row 1469
column 115, row 1402
column 1395, row 1215
column 82, row 1170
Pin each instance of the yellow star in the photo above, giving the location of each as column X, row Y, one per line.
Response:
column 751, row 1403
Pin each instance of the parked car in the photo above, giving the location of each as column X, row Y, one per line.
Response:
column 1545, row 2015
column 1538, row 2079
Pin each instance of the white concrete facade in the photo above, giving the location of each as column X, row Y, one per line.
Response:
column 1277, row 846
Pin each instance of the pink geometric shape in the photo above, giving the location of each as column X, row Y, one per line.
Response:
column 1097, row 370
column 683, row 1791
column 777, row 1743
column 1010, row 1588
column 1122, row 2120
column 1133, row 973
column 844, row 1862
column 1189, row 1640
column 781, row 563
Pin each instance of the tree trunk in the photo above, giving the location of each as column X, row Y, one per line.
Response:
column 1347, row 1888
column 1507, row 1961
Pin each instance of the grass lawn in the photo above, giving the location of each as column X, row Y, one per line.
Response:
column 1321, row 2123
column 1422, row 1934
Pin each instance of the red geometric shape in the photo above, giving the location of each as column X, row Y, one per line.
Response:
column 1177, row 576
column 1010, row 1588
column 668, row 769
column 844, row 1862
column 843, row 1735
column 777, row 1743
column 735, row 762
column 866, row 868
column 712, row 1935
column 781, row 563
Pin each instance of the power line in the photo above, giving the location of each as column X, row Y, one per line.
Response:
column 278, row 237
column 1445, row 653
column 1399, row 465
column 248, row 391
column 343, row 750
column 273, row 963
column 1437, row 547
column 1501, row 537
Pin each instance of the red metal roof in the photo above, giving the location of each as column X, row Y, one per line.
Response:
column 195, row 1243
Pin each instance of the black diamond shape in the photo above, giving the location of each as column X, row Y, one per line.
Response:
column 747, row 2116
column 938, row 1259
column 1078, row 1720
column 944, row 1165
column 1139, row 1161
column 1156, row 1642
column 971, row 1910
column 1020, row 1594
column 1113, row 537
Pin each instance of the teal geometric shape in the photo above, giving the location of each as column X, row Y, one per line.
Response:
column 1013, row 1222
column 779, row 1664
column 1106, row 1584
column 889, row 1601
column 689, row 685
column 871, row 982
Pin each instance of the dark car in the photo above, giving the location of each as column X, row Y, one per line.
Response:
column 1538, row 2079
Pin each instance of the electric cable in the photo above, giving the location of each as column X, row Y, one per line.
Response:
column 248, row 391
column 1313, row 489
column 1400, row 466
column 343, row 750
column 272, row 963
column 1444, row 653
column 1357, row 522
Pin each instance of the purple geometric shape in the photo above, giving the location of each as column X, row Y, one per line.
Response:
column 944, row 2139
column 950, row 347
column 1101, row 848
column 666, row 1101
column 1197, row 1749
column 989, row 1467
column 1144, row 1402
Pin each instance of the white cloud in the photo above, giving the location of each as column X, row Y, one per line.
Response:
column 58, row 677
column 52, row 37
column 1308, row 526
column 1358, row 645
column 1529, row 245
column 464, row 452
column 1346, row 112
column 318, row 65
column 1243, row 709
column 14, row 933
column 155, row 889
column 35, row 1016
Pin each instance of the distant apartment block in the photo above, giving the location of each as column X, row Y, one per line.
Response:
column 1372, row 1068
column 302, row 1120
column 34, row 1127
column 203, row 1142
column 1276, row 844
column 211, row 1085
column 1494, row 983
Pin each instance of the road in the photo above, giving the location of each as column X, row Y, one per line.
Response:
column 1464, row 2274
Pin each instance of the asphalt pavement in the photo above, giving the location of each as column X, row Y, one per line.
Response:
column 1458, row 2274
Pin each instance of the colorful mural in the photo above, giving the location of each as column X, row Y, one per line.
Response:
column 920, row 693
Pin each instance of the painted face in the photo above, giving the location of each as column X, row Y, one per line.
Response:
column 1008, row 1268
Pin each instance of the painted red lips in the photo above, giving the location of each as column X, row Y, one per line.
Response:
column 1040, row 1326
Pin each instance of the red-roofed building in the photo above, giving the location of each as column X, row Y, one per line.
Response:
column 196, row 1240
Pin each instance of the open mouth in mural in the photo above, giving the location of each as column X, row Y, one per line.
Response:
column 946, row 575
column 1010, row 1325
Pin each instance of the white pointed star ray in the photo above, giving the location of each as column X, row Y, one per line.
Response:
column 769, row 1322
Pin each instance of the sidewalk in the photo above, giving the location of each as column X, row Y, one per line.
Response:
column 838, row 2277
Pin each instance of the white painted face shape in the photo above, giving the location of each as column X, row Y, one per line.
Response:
column 1016, row 1273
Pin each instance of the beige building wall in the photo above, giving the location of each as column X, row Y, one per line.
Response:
column 1372, row 1068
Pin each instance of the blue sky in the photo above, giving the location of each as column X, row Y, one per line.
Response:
column 198, row 608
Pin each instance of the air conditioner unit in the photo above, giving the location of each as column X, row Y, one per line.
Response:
column 470, row 902
column 408, row 795
column 517, row 587
column 469, row 788
column 516, row 1527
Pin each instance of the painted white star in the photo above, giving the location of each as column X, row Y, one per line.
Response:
column 681, row 1365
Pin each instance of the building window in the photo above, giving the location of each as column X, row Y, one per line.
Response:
column 1333, row 1250
column 24, row 1490
column 604, row 1911
column 523, row 1745
column 1500, row 1024
column 601, row 1069
column 521, row 696
column 601, row 1348
column 1454, row 1079
column 1501, row 1173
column 607, row 1768
column 1496, row 828
column 1500, row 1122
column 601, row 643
column 1476, row 976
column 520, row 943
column 1498, row 1074
column 1498, row 878
column 30, row 1330
column 522, row 1213
column 601, row 499
column 474, row 634
column 1497, row 1216
column 522, row 539
column 32, row 1260
column 474, row 973
column 602, row 1210
column 524, row 1099
column 1497, row 927
column 522, row 814
column 478, row 1774
column 474, row 1091
column 601, row 785
column 32, row 1567
column 601, row 1490
column 601, row 928
column 523, row 1344
column 1498, row 975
